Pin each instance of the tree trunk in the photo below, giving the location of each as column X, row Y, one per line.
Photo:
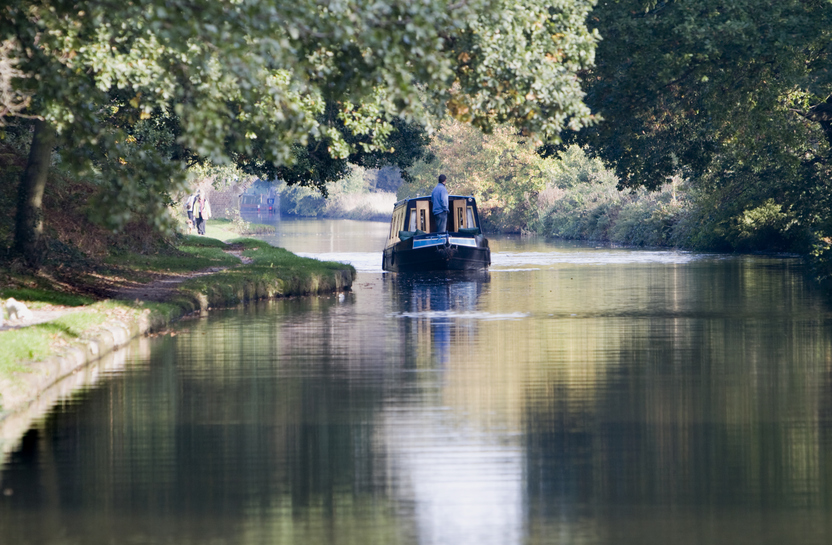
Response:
column 28, row 241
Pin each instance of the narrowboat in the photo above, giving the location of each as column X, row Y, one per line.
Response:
column 413, row 244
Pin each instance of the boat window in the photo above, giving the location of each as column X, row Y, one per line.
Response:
column 412, row 226
column 460, row 219
column 397, row 222
column 470, row 223
column 422, row 220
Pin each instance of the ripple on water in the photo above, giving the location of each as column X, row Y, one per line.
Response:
column 481, row 316
column 531, row 261
column 501, row 260
column 362, row 261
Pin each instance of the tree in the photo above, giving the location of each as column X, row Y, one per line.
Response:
column 502, row 170
column 314, row 165
column 254, row 78
column 730, row 94
column 678, row 81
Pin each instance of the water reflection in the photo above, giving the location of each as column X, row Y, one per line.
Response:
column 227, row 434
column 644, row 398
column 464, row 484
column 432, row 307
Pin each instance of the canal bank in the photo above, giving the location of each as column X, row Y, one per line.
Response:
column 78, row 354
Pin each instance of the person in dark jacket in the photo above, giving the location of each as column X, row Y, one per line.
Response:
column 189, row 208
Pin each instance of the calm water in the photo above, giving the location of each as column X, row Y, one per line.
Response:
column 571, row 395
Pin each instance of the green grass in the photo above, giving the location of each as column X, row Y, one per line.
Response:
column 224, row 229
column 195, row 253
column 264, row 254
column 37, row 342
column 203, row 241
column 260, row 229
column 220, row 229
column 273, row 272
column 38, row 297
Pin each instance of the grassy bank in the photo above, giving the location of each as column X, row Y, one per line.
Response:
column 226, row 229
column 268, row 272
column 208, row 273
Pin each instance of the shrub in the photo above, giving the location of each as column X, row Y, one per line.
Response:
column 764, row 227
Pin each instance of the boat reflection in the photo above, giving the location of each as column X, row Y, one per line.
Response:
column 437, row 308
column 264, row 217
column 461, row 480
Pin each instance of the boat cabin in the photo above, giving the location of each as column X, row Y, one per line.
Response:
column 415, row 216
column 414, row 245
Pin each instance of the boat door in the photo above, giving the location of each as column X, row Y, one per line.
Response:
column 420, row 217
column 460, row 220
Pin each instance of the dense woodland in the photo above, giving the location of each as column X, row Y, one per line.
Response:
column 697, row 123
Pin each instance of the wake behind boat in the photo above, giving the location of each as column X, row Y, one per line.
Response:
column 413, row 244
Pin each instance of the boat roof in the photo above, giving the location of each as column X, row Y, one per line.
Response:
column 428, row 197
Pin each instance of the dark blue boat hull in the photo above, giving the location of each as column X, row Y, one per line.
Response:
column 403, row 257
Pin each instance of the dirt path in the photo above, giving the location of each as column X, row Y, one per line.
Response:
column 157, row 290
column 160, row 288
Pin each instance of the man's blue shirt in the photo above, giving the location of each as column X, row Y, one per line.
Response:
column 439, row 196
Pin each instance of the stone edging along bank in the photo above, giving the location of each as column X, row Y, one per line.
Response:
column 23, row 395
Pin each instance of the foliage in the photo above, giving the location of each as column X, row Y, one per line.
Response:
column 682, row 84
column 501, row 170
column 386, row 179
column 767, row 223
column 574, row 168
column 12, row 100
column 599, row 211
column 733, row 97
column 676, row 214
column 219, row 176
column 137, row 90
column 512, row 183
column 349, row 198
column 361, row 206
column 313, row 164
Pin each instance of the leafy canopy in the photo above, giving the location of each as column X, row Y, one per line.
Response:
column 502, row 170
column 137, row 88
column 704, row 86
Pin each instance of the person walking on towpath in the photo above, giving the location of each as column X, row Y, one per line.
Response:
column 202, row 212
column 189, row 208
column 439, row 197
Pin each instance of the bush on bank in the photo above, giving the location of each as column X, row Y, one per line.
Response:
column 673, row 216
column 574, row 196
column 599, row 212
column 354, row 197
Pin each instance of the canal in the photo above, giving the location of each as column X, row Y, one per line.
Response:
column 571, row 395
